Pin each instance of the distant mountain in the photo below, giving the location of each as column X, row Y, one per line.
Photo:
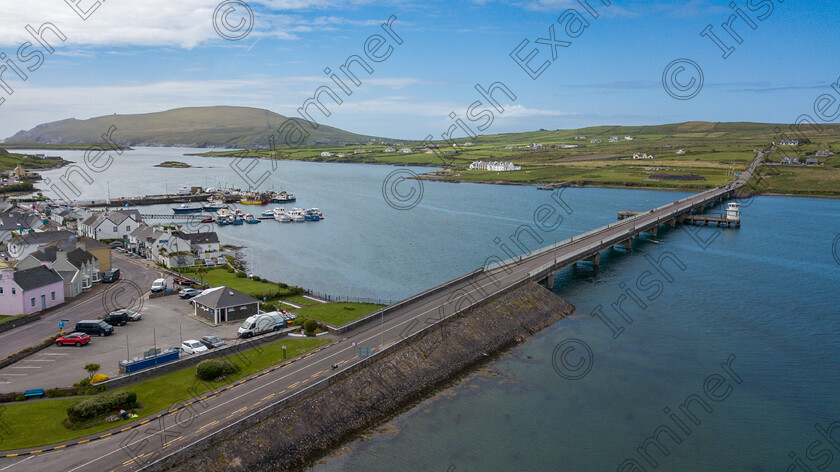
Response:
column 217, row 126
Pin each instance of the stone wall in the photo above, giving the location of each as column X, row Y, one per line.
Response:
column 285, row 435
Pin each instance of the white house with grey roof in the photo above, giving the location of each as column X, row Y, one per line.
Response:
column 115, row 224
column 221, row 304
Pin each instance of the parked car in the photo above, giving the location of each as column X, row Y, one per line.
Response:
column 132, row 315
column 191, row 346
column 97, row 327
column 189, row 292
column 73, row 339
column 159, row 285
column 212, row 341
column 116, row 244
column 116, row 318
column 111, row 275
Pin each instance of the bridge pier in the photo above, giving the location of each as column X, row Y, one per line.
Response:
column 653, row 231
column 673, row 223
column 595, row 260
column 549, row 282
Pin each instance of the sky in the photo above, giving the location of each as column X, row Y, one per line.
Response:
column 566, row 64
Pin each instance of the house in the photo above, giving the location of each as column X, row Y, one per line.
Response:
column 789, row 142
column 567, row 146
column 680, row 151
column 78, row 268
column 326, row 154
column 510, row 148
column 21, row 246
column 222, row 304
column 29, row 291
column 824, row 153
column 494, row 166
column 628, row 138
column 467, row 144
column 405, row 150
column 204, row 245
column 812, row 161
column 390, row 149
column 341, row 154
column 116, row 224
column 790, row 161
column 99, row 250
column 643, row 155
column 580, row 138
column 140, row 240
column 594, row 141
column 171, row 250
column 535, row 146
column 359, row 151
column 613, row 139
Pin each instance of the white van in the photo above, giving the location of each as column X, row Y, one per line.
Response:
column 263, row 323
column 159, row 285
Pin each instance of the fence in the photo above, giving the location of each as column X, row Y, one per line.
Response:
column 344, row 298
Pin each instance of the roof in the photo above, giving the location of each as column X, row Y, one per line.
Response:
column 79, row 257
column 202, row 238
column 93, row 244
column 45, row 237
column 224, row 297
column 68, row 275
column 116, row 216
column 30, row 279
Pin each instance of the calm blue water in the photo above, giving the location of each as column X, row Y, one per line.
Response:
column 766, row 293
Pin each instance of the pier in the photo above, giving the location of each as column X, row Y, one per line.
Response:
column 158, row 199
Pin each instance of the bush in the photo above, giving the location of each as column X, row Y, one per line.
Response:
column 211, row 369
column 310, row 326
column 282, row 286
column 230, row 270
column 99, row 378
column 82, row 383
column 296, row 291
column 240, row 275
column 256, row 278
column 90, row 408
column 20, row 398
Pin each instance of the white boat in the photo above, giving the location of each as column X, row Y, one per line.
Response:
column 223, row 212
column 281, row 215
column 215, row 205
column 297, row 215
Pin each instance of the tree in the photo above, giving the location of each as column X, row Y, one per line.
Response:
column 92, row 368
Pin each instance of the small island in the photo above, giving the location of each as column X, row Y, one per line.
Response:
column 175, row 164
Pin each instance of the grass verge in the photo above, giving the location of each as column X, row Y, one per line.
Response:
column 37, row 423
column 340, row 313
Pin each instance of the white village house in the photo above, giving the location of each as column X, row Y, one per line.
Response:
column 116, row 224
column 494, row 166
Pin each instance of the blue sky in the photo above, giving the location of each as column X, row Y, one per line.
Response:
column 152, row 55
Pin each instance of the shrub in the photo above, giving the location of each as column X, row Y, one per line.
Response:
column 282, row 285
column 230, row 269
column 99, row 378
column 83, row 383
column 20, row 398
column 310, row 326
column 240, row 275
column 211, row 369
column 90, row 408
column 296, row 291
column 256, row 278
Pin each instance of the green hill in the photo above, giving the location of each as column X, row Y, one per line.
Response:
column 218, row 126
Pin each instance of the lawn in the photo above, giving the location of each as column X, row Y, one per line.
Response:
column 36, row 423
column 339, row 313
column 300, row 300
column 219, row 276
column 9, row 319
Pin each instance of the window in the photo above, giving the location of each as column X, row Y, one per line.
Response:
column 1, row 290
column 52, row 295
column 128, row 228
column 116, row 229
column 13, row 290
column 32, row 301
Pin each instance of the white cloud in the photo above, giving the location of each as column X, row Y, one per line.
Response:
column 181, row 23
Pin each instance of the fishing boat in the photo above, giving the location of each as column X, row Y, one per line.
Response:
column 319, row 212
column 281, row 216
column 267, row 214
column 224, row 220
column 223, row 213
column 254, row 199
column 214, row 205
column 249, row 218
column 283, row 197
column 310, row 215
column 209, row 219
column 185, row 208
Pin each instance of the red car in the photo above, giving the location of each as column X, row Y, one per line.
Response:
column 73, row 339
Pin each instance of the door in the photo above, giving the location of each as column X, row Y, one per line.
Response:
column 43, row 302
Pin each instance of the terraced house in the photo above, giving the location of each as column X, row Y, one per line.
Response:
column 116, row 224
column 29, row 291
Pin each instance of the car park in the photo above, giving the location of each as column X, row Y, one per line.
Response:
column 132, row 315
column 73, row 339
column 191, row 346
column 189, row 292
column 97, row 327
column 212, row 341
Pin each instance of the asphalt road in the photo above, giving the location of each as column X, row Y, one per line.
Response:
column 132, row 449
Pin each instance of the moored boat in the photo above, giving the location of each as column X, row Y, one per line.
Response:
column 249, row 218
column 283, row 197
column 185, row 208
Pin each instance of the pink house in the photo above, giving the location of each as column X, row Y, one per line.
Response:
column 30, row 290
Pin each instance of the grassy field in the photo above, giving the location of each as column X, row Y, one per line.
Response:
column 9, row 161
column 219, row 276
column 712, row 151
column 36, row 423
column 9, row 319
column 822, row 180
column 299, row 300
column 339, row 313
